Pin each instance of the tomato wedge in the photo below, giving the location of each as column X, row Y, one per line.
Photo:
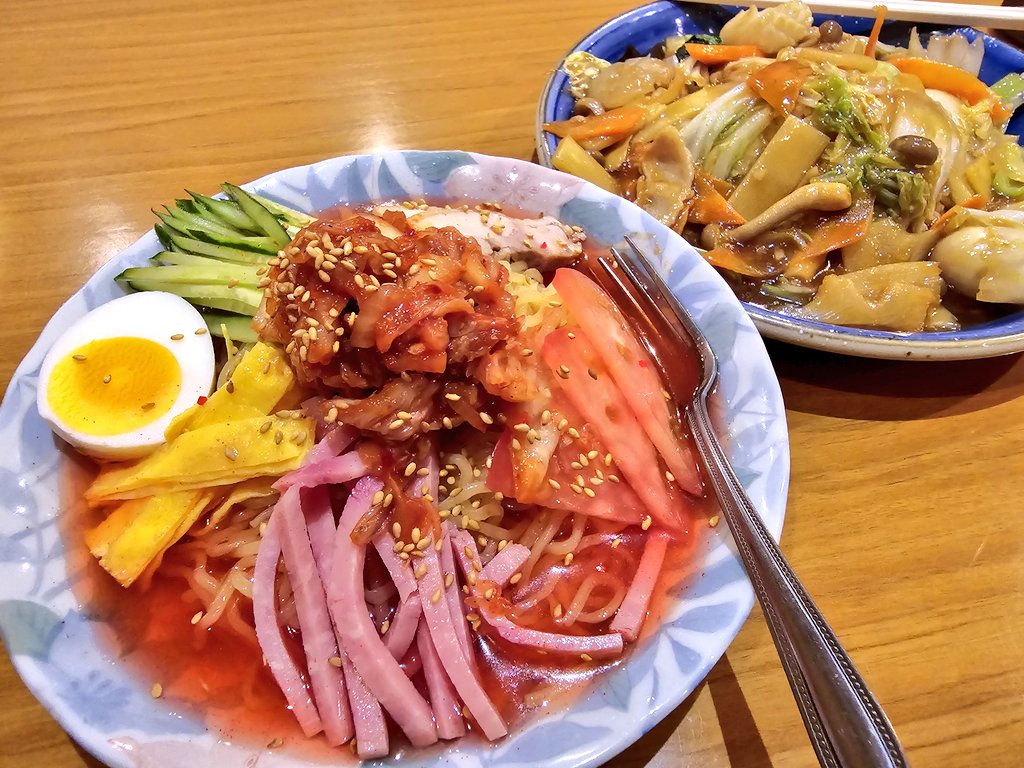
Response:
column 631, row 368
column 586, row 382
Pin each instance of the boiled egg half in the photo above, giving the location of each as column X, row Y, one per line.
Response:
column 115, row 379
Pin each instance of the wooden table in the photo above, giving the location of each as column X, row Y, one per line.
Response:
column 905, row 518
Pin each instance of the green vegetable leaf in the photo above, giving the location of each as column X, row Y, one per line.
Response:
column 681, row 53
column 1010, row 90
column 837, row 113
column 894, row 188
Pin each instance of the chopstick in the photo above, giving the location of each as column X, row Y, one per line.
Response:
column 928, row 11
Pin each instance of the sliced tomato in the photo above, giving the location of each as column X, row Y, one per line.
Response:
column 514, row 472
column 587, row 383
column 631, row 368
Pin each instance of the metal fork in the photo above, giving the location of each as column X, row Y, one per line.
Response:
column 846, row 725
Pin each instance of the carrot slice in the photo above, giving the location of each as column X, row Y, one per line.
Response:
column 977, row 201
column 710, row 205
column 615, row 125
column 721, row 54
column 831, row 233
column 869, row 49
column 780, row 83
column 730, row 260
column 946, row 77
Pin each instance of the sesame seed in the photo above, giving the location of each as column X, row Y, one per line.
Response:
column 592, row 373
column 449, row 579
column 197, row 617
column 452, row 396
column 590, row 492
column 489, row 594
column 230, row 387
column 592, row 454
column 563, row 371
column 557, row 612
column 613, row 478
column 615, row 542
column 446, row 422
column 568, row 559
column 576, row 488
column 275, row 743
column 199, row 331
column 334, row 661
column 586, row 657
column 385, row 626
column 378, row 497
column 278, row 437
column 79, row 358
column 607, row 459
column 398, row 545
column 231, row 453
column 646, row 522
column 521, row 427
column 148, row 406
column 106, row 379
column 516, row 578
column 713, row 522
column 421, row 571
column 396, row 424
column 486, row 418
column 396, row 529
column 410, row 468
column 156, row 691
column 178, row 337
column 574, row 433
column 436, row 596
column 516, row 445
column 554, row 483
column 669, row 476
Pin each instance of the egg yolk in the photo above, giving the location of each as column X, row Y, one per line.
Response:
column 113, row 386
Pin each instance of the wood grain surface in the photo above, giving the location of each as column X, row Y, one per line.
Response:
column 905, row 519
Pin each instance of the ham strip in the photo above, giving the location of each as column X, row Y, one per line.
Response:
column 318, row 639
column 399, row 569
column 400, row 635
column 378, row 668
column 316, row 508
column 329, row 471
column 331, row 444
column 453, row 595
column 371, row 730
column 287, row 674
column 447, row 712
column 504, row 565
column 594, row 646
column 631, row 614
column 446, row 641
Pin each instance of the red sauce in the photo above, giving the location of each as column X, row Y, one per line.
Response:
column 219, row 678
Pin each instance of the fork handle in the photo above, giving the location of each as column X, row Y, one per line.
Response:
column 844, row 721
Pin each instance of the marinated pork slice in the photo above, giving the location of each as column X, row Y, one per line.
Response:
column 544, row 242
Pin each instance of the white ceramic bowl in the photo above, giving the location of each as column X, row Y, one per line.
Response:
column 108, row 708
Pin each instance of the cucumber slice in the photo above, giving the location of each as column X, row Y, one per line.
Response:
column 241, row 299
column 255, row 210
column 239, row 328
column 170, row 238
column 289, row 215
column 227, row 211
column 194, row 226
column 217, row 273
column 184, row 259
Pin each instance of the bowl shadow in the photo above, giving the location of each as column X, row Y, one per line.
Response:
column 829, row 384
column 742, row 739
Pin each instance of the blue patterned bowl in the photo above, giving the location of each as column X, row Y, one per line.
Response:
column 53, row 638
column 644, row 27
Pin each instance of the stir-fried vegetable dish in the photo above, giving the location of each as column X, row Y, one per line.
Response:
column 825, row 174
column 437, row 480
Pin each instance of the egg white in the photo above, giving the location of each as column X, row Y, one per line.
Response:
column 152, row 315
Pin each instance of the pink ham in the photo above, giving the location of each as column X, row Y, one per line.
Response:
column 329, row 471
column 318, row 639
column 506, row 564
column 443, row 633
column 377, row 668
column 287, row 674
column 443, row 699
column 403, row 628
column 398, row 568
column 631, row 614
column 371, row 730
column 594, row 646
column 453, row 595
column 331, row 444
